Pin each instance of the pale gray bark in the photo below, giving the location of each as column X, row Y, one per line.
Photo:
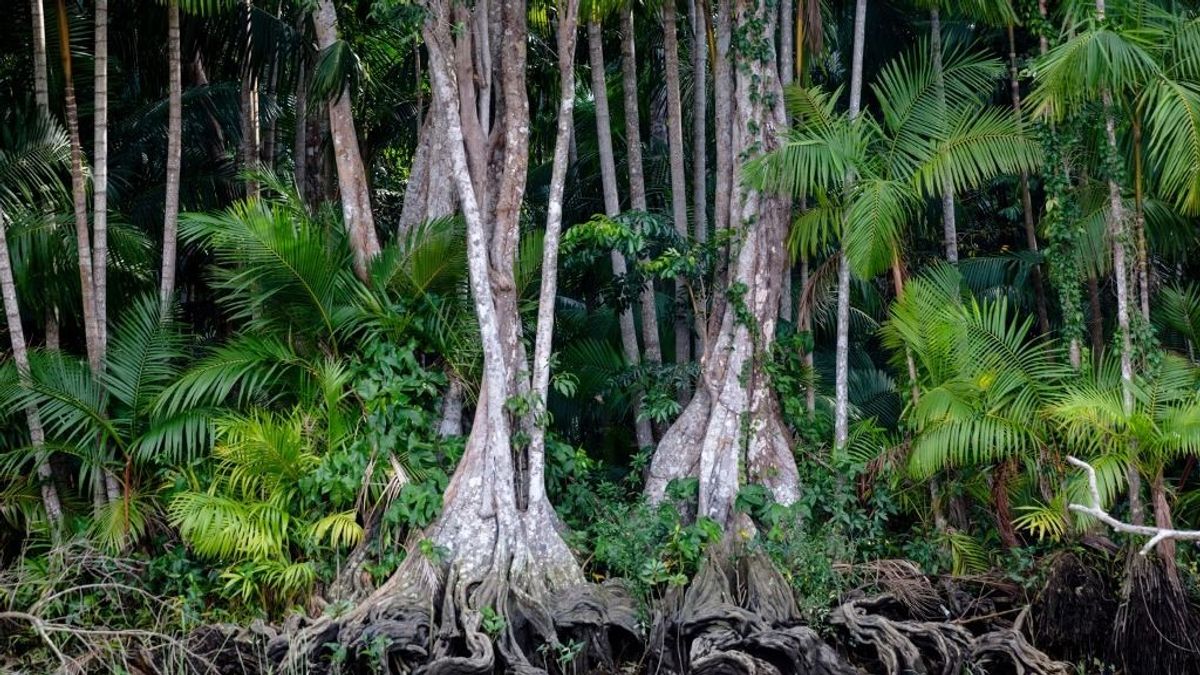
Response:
column 352, row 177
column 683, row 333
column 100, row 178
column 787, row 72
column 41, row 87
column 83, row 236
column 612, row 207
column 452, row 410
column 174, row 151
column 16, row 335
column 949, row 226
column 731, row 429
column 554, row 211
column 841, row 409
column 699, row 27
column 652, row 345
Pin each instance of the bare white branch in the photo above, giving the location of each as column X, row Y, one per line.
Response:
column 1156, row 535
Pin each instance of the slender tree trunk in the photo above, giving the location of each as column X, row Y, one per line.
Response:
column 544, row 338
column 83, row 237
column 174, row 152
column 41, row 86
column 696, row 12
column 1096, row 318
column 724, row 178
column 612, row 207
column 787, row 65
column 1162, row 519
column 1039, row 290
column 804, row 314
column 637, row 183
column 949, row 226
column 841, row 417
column 352, row 176
column 300, row 141
column 249, row 109
column 683, row 333
column 100, row 178
column 16, row 335
column 1139, row 222
column 1003, row 505
column 731, row 430
column 452, row 410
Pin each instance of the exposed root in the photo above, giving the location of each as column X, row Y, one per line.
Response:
column 903, row 646
column 1073, row 613
column 1155, row 629
column 1008, row 648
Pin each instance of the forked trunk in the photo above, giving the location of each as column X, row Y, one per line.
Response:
column 352, row 177
column 683, row 333
column 16, row 335
column 612, row 207
column 174, row 150
column 841, row 385
column 652, row 345
column 732, row 428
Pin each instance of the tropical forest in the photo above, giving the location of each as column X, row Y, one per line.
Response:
column 559, row 337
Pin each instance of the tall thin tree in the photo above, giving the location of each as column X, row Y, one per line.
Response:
column 174, row 153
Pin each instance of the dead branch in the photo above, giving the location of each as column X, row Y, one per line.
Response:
column 1156, row 535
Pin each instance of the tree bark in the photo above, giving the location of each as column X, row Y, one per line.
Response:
column 612, row 207
column 300, row 140
column 1039, row 290
column 174, row 151
column 683, row 333
column 787, row 69
column 16, row 336
column 731, row 428
column 41, row 86
column 652, row 345
column 1139, row 222
column 1096, row 318
column 698, row 18
column 544, row 338
column 249, row 110
column 949, row 226
column 352, row 177
column 841, row 408
column 100, row 178
column 83, row 237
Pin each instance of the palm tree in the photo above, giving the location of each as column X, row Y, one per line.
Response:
column 100, row 178
column 174, row 151
column 32, row 151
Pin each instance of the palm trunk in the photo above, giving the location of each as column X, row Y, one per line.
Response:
column 637, row 183
column 352, row 176
column 841, row 420
column 16, row 335
column 612, row 207
column 249, row 110
column 83, row 237
column 949, row 226
column 174, row 151
column 300, row 141
column 1039, row 291
column 41, row 86
column 683, row 333
column 1139, row 222
column 100, row 177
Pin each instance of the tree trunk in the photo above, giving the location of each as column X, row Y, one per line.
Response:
column 683, row 333
column 1139, row 222
column 612, row 207
column 16, row 336
column 1096, row 318
column 544, row 338
column 100, row 177
column 949, row 227
column 1162, row 520
column 787, row 69
column 249, row 110
column 41, row 86
column 841, row 409
column 452, row 410
column 731, row 429
column 300, row 140
column 1039, row 291
column 696, row 13
column 352, row 177
column 174, row 150
column 652, row 345
column 83, row 237
column 804, row 324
